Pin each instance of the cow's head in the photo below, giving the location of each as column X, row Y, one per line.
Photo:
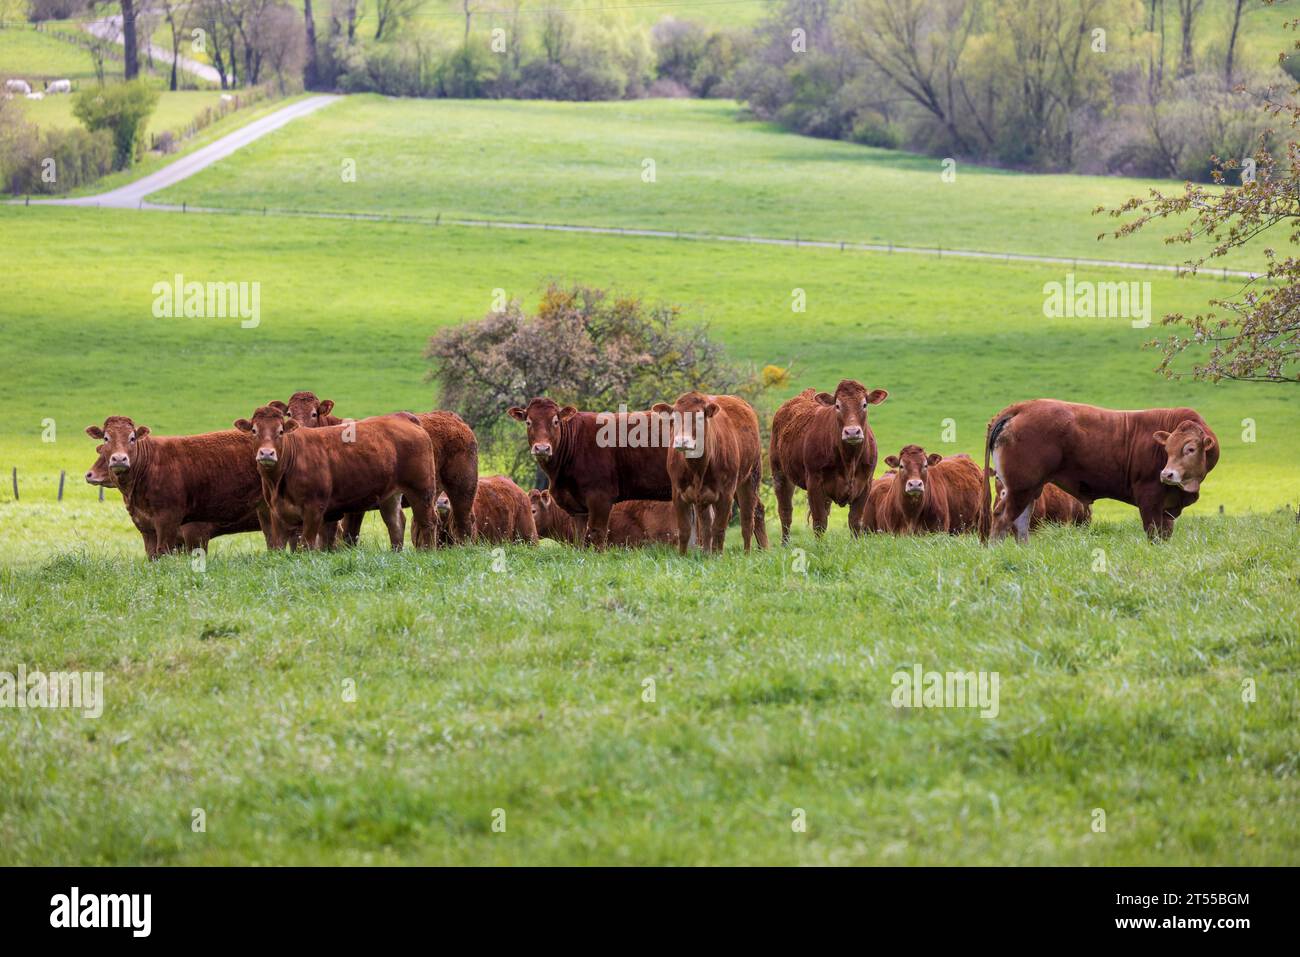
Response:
column 442, row 506
column 99, row 473
column 268, row 428
column 999, row 491
column 120, row 437
column 546, row 514
column 850, row 402
column 913, row 465
column 686, row 421
column 545, row 420
column 1190, row 454
column 307, row 410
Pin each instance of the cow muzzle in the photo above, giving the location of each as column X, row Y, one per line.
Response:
column 1171, row 477
column 684, row 443
column 267, row 457
column 442, row 506
column 914, row 487
column 541, row 451
column 119, row 462
column 851, row 434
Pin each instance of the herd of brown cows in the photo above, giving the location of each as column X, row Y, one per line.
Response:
column 305, row 478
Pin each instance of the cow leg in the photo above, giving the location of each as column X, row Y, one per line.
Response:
column 313, row 520
column 1155, row 520
column 579, row 530
column 390, row 510
column 1018, row 512
column 266, row 522
column 686, row 519
column 167, row 531
column 857, row 513
column 746, row 494
column 721, row 516
column 784, row 491
column 598, row 521
column 818, row 505
column 328, row 533
column 424, row 534
column 351, row 527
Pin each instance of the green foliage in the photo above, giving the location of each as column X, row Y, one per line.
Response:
column 121, row 108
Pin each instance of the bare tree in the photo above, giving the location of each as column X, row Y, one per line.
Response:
column 390, row 14
column 281, row 45
column 1188, row 11
column 130, row 51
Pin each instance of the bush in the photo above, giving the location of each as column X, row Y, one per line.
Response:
column 871, row 129
column 123, row 109
column 584, row 346
column 59, row 160
column 39, row 10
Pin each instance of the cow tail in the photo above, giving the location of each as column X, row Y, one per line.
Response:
column 996, row 424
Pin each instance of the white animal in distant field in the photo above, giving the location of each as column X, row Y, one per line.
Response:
column 38, row 95
column 226, row 97
column 18, row 86
column 59, row 86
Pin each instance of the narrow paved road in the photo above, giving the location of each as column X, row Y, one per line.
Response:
column 110, row 28
column 132, row 195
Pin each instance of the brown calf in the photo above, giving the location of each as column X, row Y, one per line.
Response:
column 594, row 461
column 716, row 458
column 168, row 482
column 313, row 476
column 502, row 512
column 926, row 493
column 1054, row 505
column 1154, row 459
column 631, row 524
column 822, row 443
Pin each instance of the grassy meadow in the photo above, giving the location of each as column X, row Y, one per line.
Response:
column 582, row 164
column 1155, row 683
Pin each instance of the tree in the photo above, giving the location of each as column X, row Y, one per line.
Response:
column 177, row 15
column 279, row 42
column 391, row 14
column 130, row 52
column 1256, row 335
column 583, row 346
column 121, row 108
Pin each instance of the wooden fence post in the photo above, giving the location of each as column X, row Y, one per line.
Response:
column 15, row 483
column 62, row 476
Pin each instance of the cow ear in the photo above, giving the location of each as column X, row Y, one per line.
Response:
column 290, row 425
column 515, row 412
column 546, row 497
column 825, row 398
column 243, row 425
column 567, row 413
column 326, row 406
column 1161, row 438
column 663, row 408
column 1208, row 444
column 141, row 431
column 94, row 431
column 934, row 458
column 891, row 461
column 711, row 410
column 877, row 396
column 277, row 404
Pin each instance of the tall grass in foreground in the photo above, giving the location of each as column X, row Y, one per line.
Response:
column 1121, row 664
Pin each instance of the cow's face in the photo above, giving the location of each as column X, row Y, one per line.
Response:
column 685, row 419
column 99, row 473
column 850, row 401
column 307, row 410
column 545, row 511
column 442, row 506
column 121, row 439
column 1187, row 450
column 913, row 465
column 268, row 428
column 999, row 492
column 544, row 419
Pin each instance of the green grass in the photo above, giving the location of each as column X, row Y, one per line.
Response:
column 582, row 164
column 522, row 690
column 175, row 111
column 346, row 308
column 33, row 56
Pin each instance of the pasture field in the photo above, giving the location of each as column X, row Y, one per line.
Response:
column 346, row 308
column 175, row 111
column 524, row 690
column 32, row 55
column 582, row 164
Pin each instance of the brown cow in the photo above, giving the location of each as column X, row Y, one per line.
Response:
column 926, row 493
column 192, row 534
column 312, row 413
column 502, row 511
column 455, row 451
column 631, row 524
column 1155, row 459
column 593, row 461
column 1054, row 505
column 822, row 443
column 169, row 482
column 313, row 476
column 716, row 458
